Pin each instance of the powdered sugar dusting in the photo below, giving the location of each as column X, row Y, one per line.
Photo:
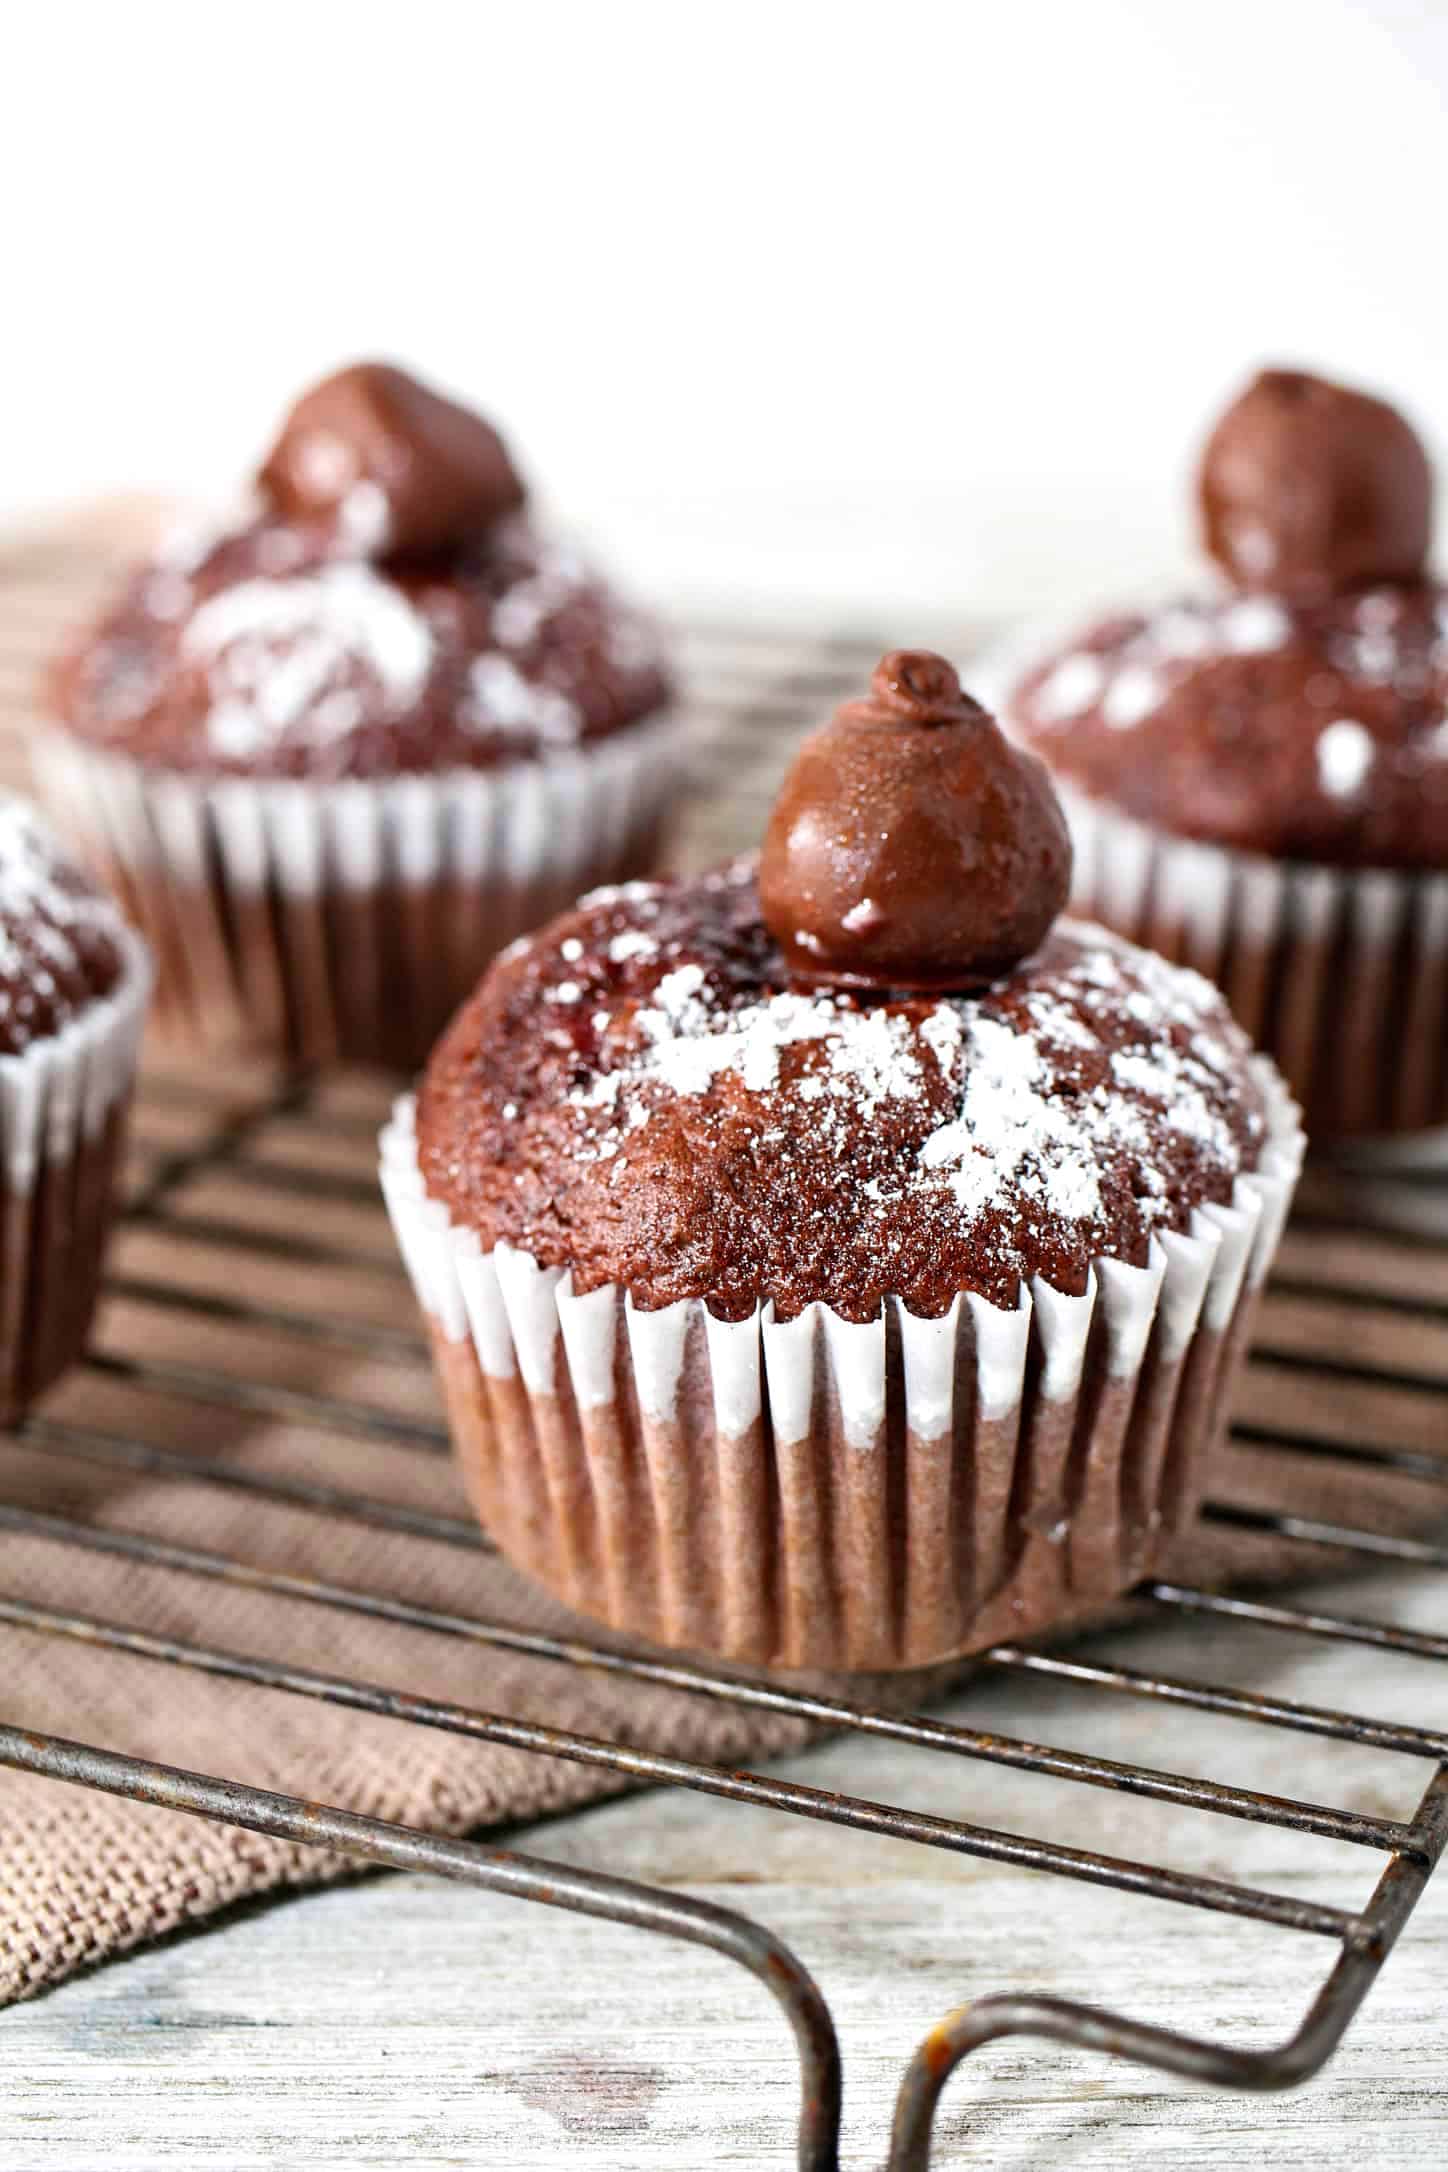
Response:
column 1075, row 685
column 1015, row 1136
column 1129, row 681
column 557, row 578
column 1344, row 757
column 302, row 648
column 364, row 519
column 1006, row 1108
column 1009, row 1135
column 274, row 649
column 501, row 697
column 1310, row 730
column 688, row 1044
column 696, row 1124
column 49, row 920
column 1131, row 696
column 633, row 943
column 1255, row 626
column 1129, row 670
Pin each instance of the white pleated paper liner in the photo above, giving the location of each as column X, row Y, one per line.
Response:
column 326, row 920
column 815, row 1493
column 1339, row 974
column 63, row 1104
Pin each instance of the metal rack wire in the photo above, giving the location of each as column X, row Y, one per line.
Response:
column 230, row 1134
column 1361, row 1938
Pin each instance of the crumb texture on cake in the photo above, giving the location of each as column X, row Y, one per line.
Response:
column 61, row 939
column 275, row 649
column 638, row 1094
column 1314, row 731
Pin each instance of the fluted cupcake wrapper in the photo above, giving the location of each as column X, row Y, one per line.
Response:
column 63, row 1106
column 349, row 919
column 814, row 1492
column 1340, row 974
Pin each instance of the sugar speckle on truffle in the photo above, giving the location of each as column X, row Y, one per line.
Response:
column 1345, row 754
column 364, row 519
column 1255, row 625
column 1254, row 547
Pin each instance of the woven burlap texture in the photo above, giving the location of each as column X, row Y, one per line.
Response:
column 84, row 1876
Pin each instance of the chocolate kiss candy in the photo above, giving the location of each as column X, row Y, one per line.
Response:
column 1308, row 488
column 912, row 846
column 396, row 468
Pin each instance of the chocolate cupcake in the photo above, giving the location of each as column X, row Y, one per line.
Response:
column 74, row 981
column 1257, row 779
column 337, row 755
column 839, row 1261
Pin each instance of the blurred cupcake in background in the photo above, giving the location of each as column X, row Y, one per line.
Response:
column 74, row 981
column 1257, row 779
column 338, row 754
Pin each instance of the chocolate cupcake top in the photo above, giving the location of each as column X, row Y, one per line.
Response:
column 1313, row 731
column 388, row 608
column 1304, row 714
column 642, row 1094
column 62, row 942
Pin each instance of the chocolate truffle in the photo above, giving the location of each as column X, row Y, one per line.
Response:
column 912, row 846
column 1309, row 488
column 372, row 451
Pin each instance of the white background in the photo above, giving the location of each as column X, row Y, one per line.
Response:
column 898, row 309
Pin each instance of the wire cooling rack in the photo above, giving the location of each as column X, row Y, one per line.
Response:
column 1365, row 1266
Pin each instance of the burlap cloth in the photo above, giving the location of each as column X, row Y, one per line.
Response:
column 84, row 1876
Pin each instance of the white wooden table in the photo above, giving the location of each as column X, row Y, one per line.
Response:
column 400, row 2022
